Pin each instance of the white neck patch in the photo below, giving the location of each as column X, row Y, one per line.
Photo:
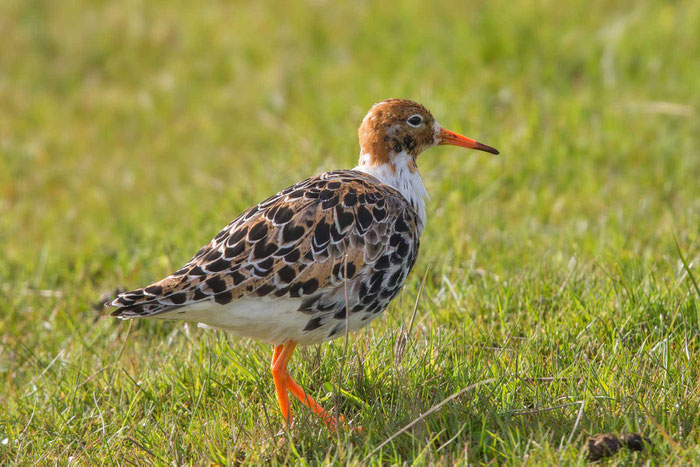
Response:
column 408, row 183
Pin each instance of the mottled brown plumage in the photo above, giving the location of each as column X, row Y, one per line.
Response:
column 295, row 245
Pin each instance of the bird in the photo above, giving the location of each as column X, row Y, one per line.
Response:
column 327, row 253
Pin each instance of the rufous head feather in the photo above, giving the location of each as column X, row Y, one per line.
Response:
column 396, row 126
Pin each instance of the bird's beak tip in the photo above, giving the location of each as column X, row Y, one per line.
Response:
column 455, row 139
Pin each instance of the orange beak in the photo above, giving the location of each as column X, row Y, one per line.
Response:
column 455, row 139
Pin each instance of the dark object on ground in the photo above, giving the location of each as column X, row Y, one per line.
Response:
column 607, row 444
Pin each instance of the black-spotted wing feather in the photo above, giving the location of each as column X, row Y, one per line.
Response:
column 293, row 244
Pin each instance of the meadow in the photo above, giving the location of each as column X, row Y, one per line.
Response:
column 560, row 278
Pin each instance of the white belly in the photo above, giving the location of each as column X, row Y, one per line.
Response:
column 269, row 320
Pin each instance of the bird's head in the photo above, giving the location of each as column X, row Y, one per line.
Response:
column 396, row 126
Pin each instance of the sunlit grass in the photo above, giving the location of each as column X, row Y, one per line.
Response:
column 130, row 132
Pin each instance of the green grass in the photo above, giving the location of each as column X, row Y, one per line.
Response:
column 130, row 132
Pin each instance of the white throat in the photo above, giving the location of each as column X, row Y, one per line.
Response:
column 400, row 176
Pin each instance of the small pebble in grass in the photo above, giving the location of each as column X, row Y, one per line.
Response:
column 605, row 445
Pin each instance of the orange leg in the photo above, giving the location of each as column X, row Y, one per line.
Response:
column 308, row 401
column 284, row 383
column 279, row 375
column 278, row 351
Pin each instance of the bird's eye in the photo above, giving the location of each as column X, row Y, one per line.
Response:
column 415, row 120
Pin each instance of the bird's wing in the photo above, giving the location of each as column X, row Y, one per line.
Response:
column 291, row 245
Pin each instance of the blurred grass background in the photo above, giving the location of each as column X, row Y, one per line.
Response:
column 130, row 132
